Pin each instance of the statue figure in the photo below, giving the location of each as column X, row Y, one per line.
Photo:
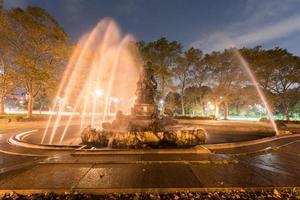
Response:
column 146, row 86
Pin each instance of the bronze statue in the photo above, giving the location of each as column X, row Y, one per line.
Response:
column 146, row 86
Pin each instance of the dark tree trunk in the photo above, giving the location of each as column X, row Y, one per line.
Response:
column 217, row 111
column 40, row 110
column 287, row 114
column 2, row 105
column 182, row 105
column 237, row 109
column 203, row 108
column 29, row 106
column 226, row 110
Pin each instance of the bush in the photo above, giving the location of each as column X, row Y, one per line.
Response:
column 264, row 119
column 210, row 117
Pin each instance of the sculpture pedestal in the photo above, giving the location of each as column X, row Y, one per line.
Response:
column 144, row 111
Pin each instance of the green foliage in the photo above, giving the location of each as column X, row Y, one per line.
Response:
column 172, row 101
column 278, row 73
column 183, row 71
column 195, row 99
column 219, row 77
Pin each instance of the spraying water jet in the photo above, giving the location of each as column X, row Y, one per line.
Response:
column 104, row 64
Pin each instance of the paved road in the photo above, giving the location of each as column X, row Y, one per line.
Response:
column 273, row 163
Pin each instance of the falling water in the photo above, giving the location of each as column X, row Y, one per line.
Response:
column 256, row 85
column 226, row 40
column 103, row 66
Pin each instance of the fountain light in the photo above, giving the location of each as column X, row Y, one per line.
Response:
column 115, row 100
column 98, row 93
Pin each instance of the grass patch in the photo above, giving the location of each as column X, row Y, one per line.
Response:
column 21, row 117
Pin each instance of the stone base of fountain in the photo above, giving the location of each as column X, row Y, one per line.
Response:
column 143, row 128
column 117, row 138
column 143, row 111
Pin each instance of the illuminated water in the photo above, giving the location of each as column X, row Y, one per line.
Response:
column 258, row 89
column 99, row 79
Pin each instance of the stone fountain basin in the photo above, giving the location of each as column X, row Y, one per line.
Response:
column 172, row 136
column 217, row 132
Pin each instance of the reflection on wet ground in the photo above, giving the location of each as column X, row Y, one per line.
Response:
column 268, row 164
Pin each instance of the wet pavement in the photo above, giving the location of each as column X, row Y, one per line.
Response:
column 274, row 163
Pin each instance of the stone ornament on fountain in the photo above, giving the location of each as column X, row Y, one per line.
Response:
column 91, row 136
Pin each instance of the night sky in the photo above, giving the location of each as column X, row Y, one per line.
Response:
column 206, row 24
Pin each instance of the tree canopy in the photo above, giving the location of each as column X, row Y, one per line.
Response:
column 37, row 48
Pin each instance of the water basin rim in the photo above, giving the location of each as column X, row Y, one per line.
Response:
column 14, row 140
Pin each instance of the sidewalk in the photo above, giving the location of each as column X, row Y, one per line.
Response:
column 277, row 166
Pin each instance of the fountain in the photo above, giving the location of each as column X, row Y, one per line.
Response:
column 107, row 88
column 145, row 127
column 111, row 92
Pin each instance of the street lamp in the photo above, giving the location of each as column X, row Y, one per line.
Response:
column 161, row 105
column 211, row 106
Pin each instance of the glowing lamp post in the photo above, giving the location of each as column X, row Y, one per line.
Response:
column 59, row 102
column 161, row 104
column 113, row 104
column 211, row 107
column 115, row 100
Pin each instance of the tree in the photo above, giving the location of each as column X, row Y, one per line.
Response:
column 225, row 77
column 38, row 48
column 278, row 73
column 183, row 71
column 194, row 98
column 163, row 55
column 172, row 101
column 243, row 97
column 8, row 82
column 43, row 100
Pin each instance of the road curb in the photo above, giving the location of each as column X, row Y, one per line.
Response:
column 247, row 143
column 103, row 191
column 17, row 140
column 200, row 149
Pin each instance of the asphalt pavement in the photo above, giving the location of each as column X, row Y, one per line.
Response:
column 270, row 163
